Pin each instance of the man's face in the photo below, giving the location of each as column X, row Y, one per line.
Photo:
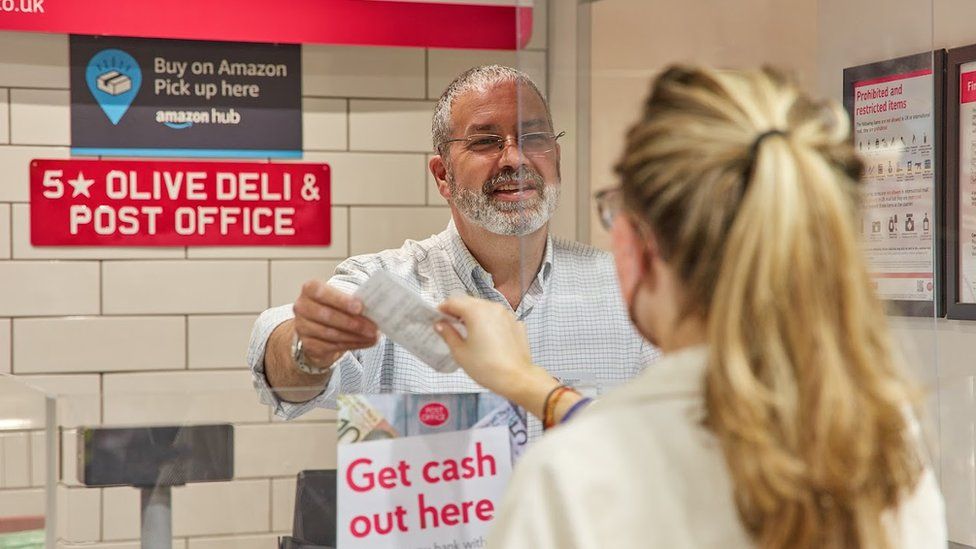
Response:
column 507, row 191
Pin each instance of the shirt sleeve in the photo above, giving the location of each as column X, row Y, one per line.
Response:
column 348, row 374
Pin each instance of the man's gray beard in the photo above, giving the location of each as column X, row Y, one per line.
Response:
column 506, row 218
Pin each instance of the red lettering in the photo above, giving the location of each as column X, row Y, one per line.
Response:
column 401, row 514
column 361, row 526
column 426, row 472
column 403, row 467
column 450, row 470
column 452, row 513
column 449, row 514
column 465, row 470
column 469, row 471
column 368, row 477
column 380, row 528
column 424, row 511
column 485, row 510
column 363, row 530
column 482, row 459
column 386, row 477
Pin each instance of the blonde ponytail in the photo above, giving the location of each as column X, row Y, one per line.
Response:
column 750, row 189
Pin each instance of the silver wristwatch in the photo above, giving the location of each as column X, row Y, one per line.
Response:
column 298, row 356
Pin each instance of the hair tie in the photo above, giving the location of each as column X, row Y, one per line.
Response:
column 769, row 133
column 754, row 150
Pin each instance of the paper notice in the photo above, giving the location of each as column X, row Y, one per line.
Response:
column 407, row 319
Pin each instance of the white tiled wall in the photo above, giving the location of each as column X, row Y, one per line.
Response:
column 98, row 344
column 287, row 276
column 129, row 336
column 215, row 341
column 385, row 125
column 39, row 117
column 16, row 169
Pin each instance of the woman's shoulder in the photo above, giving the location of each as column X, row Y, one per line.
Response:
column 645, row 472
column 619, row 432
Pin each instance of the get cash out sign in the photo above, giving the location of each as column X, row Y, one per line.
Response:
column 423, row 471
column 155, row 203
column 425, row 492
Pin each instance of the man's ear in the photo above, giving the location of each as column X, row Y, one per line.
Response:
column 438, row 168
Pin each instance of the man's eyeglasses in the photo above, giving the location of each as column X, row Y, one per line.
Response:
column 608, row 203
column 533, row 143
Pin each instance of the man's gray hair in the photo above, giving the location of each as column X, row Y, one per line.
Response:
column 478, row 79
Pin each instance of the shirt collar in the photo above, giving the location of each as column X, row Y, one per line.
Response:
column 471, row 272
column 678, row 374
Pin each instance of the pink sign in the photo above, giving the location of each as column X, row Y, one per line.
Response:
column 491, row 24
column 163, row 203
column 967, row 87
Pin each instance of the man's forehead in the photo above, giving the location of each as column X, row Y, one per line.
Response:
column 489, row 126
column 500, row 106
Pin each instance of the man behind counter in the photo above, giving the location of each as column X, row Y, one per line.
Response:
column 497, row 164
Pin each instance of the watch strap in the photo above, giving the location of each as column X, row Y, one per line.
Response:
column 298, row 357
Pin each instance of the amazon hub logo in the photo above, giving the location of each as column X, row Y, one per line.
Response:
column 179, row 120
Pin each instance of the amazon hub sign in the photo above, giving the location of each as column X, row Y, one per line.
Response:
column 150, row 97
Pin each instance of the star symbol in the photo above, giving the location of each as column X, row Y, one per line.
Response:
column 81, row 185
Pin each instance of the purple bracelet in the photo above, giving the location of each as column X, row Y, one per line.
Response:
column 580, row 404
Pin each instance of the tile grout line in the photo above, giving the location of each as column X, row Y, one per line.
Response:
column 10, row 228
column 427, row 73
column 271, row 504
column 101, row 288
column 186, row 342
column 10, row 351
column 348, row 125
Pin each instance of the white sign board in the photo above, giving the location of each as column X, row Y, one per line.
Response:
column 422, row 492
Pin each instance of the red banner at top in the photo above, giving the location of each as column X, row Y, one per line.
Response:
column 409, row 23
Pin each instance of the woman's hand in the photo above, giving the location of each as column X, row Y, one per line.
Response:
column 496, row 355
column 495, row 352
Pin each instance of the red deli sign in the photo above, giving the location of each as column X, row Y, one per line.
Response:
column 158, row 203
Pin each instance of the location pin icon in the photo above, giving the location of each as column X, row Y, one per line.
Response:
column 113, row 77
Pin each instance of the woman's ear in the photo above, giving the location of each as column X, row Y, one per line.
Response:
column 630, row 256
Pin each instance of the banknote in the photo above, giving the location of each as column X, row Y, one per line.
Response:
column 358, row 420
column 511, row 417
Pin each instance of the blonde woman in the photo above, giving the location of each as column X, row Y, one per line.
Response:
column 779, row 417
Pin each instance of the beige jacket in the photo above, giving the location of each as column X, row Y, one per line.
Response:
column 637, row 470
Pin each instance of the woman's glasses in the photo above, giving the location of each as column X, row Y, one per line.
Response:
column 608, row 203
